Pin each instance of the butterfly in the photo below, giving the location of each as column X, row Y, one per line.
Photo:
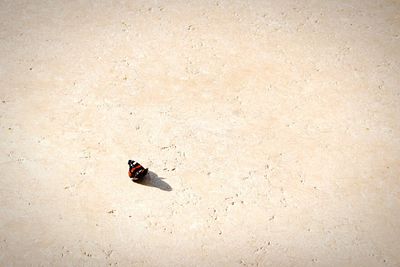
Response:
column 136, row 171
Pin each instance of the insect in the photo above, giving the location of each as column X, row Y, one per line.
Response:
column 136, row 171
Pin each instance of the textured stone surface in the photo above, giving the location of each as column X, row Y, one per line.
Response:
column 276, row 125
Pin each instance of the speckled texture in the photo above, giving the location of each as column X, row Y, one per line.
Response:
column 272, row 130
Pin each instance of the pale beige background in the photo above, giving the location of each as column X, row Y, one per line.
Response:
column 275, row 123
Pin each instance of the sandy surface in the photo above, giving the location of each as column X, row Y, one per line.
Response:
column 272, row 130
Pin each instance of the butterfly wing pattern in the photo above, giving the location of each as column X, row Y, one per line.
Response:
column 136, row 171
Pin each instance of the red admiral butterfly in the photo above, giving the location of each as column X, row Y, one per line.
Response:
column 136, row 171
